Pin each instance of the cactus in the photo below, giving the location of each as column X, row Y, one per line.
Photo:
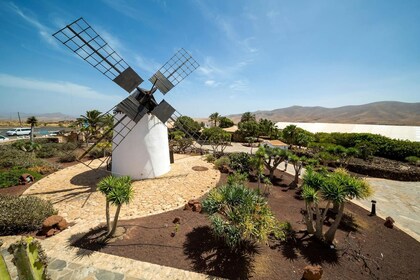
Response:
column 4, row 273
column 29, row 259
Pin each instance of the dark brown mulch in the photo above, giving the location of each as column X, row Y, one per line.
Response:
column 15, row 190
column 366, row 249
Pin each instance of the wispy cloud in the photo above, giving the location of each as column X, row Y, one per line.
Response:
column 212, row 83
column 60, row 87
column 123, row 7
column 44, row 31
column 239, row 85
column 148, row 65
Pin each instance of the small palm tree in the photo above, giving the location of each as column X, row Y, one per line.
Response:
column 121, row 193
column 117, row 191
column 215, row 117
column 92, row 120
column 105, row 186
column 33, row 122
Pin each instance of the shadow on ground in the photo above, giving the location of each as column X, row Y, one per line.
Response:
column 214, row 258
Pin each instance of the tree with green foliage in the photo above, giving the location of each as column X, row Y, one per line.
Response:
column 267, row 128
column 249, row 129
column 273, row 157
column 297, row 163
column 248, row 117
column 239, row 214
column 225, row 122
column 33, row 122
column 118, row 191
column 215, row 118
column 187, row 124
column 217, row 138
column 337, row 187
column 90, row 124
column 257, row 163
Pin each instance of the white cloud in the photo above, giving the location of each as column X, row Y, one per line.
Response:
column 44, row 31
column 60, row 87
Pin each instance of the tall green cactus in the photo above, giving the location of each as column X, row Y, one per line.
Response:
column 29, row 259
column 4, row 273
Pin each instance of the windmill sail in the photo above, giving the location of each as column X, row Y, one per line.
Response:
column 83, row 40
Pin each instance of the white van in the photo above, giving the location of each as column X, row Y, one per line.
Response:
column 19, row 131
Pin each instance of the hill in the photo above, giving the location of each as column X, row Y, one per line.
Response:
column 52, row 117
column 385, row 113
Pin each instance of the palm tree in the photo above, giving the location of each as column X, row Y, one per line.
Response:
column 33, row 122
column 312, row 186
column 105, row 186
column 215, row 117
column 91, row 121
column 248, row 116
column 121, row 193
column 344, row 187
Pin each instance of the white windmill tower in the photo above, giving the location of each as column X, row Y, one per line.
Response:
column 139, row 135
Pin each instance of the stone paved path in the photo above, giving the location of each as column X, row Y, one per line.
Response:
column 73, row 193
column 397, row 199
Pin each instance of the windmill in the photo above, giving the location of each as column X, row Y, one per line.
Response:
column 138, row 133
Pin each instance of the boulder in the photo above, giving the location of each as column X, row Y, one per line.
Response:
column 53, row 225
column 197, row 207
column 62, row 225
column 389, row 222
column 188, row 207
column 312, row 272
column 191, row 202
column 51, row 221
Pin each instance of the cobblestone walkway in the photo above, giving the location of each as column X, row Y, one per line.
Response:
column 73, row 193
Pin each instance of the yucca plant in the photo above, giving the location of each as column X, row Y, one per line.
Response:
column 118, row 191
column 239, row 214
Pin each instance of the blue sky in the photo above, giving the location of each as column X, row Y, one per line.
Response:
column 253, row 55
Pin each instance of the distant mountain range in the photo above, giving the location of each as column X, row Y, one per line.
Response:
column 385, row 112
column 53, row 117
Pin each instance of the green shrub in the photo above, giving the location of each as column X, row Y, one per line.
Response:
column 210, row 158
column 23, row 214
column 47, row 152
column 99, row 152
column 413, row 159
column 237, row 179
column 13, row 157
column 221, row 162
column 11, row 177
column 67, row 157
column 239, row 214
column 240, row 162
column 68, row 146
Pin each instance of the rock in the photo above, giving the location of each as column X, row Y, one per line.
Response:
column 53, row 225
column 51, row 221
column 62, row 225
column 312, row 272
column 188, row 207
column 51, row 232
column 177, row 220
column 389, row 222
column 197, row 207
column 192, row 202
